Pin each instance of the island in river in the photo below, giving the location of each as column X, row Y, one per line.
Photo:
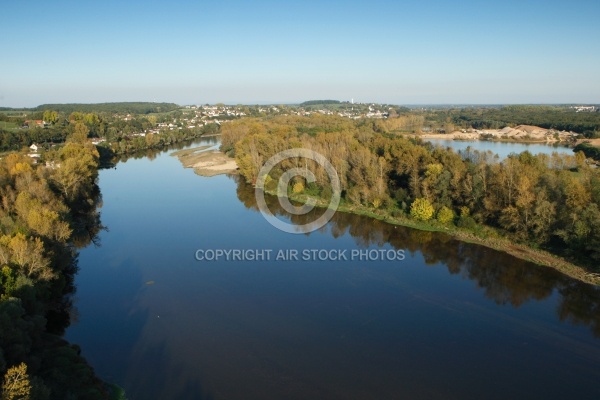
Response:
column 526, row 200
column 206, row 162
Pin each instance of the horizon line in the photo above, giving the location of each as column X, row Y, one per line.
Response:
column 299, row 103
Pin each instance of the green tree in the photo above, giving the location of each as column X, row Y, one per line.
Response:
column 445, row 215
column 80, row 133
column 50, row 116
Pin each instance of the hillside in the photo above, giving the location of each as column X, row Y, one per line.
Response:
column 319, row 102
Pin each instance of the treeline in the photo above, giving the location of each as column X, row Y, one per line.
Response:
column 16, row 140
column 123, row 107
column 125, row 144
column 317, row 102
column 45, row 213
column 544, row 201
column 9, row 117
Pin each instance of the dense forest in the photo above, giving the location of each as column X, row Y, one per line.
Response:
column 544, row 201
column 46, row 213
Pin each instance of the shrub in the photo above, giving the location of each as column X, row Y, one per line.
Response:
column 467, row 222
column 421, row 210
column 445, row 215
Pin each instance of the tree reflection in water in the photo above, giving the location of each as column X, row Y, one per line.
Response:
column 504, row 278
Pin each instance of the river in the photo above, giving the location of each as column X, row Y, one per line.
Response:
column 433, row 319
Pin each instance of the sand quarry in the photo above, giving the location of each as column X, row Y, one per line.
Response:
column 524, row 133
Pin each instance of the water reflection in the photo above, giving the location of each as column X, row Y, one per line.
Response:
column 86, row 228
column 504, row 278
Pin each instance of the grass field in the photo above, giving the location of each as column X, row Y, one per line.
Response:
column 8, row 125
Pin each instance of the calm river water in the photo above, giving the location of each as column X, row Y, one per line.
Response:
column 449, row 321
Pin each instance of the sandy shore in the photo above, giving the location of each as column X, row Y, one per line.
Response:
column 520, row 133
column 206, row 162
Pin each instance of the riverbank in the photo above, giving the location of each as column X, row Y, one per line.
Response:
column 201, row 161
column 209, row 163
column 206, row 162
column 488, row 238
column 523, row 252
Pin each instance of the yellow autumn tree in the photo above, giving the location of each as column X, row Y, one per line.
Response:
column 421, row 209
column 298, row 187
column 16, row 384
column 28, row 255
column 78, row 168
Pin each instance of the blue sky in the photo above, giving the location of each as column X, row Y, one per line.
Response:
column 401, row 52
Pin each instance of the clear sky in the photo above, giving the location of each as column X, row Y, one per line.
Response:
column 401, row 52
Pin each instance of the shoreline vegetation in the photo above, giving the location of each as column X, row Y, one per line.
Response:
column 47, row 213
column 190, row 159
column 527, row 253
column 211, row 163
column 542, row 208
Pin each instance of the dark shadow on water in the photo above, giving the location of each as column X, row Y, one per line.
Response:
column 115, row 324
column 160, row 378
column 505, row 279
